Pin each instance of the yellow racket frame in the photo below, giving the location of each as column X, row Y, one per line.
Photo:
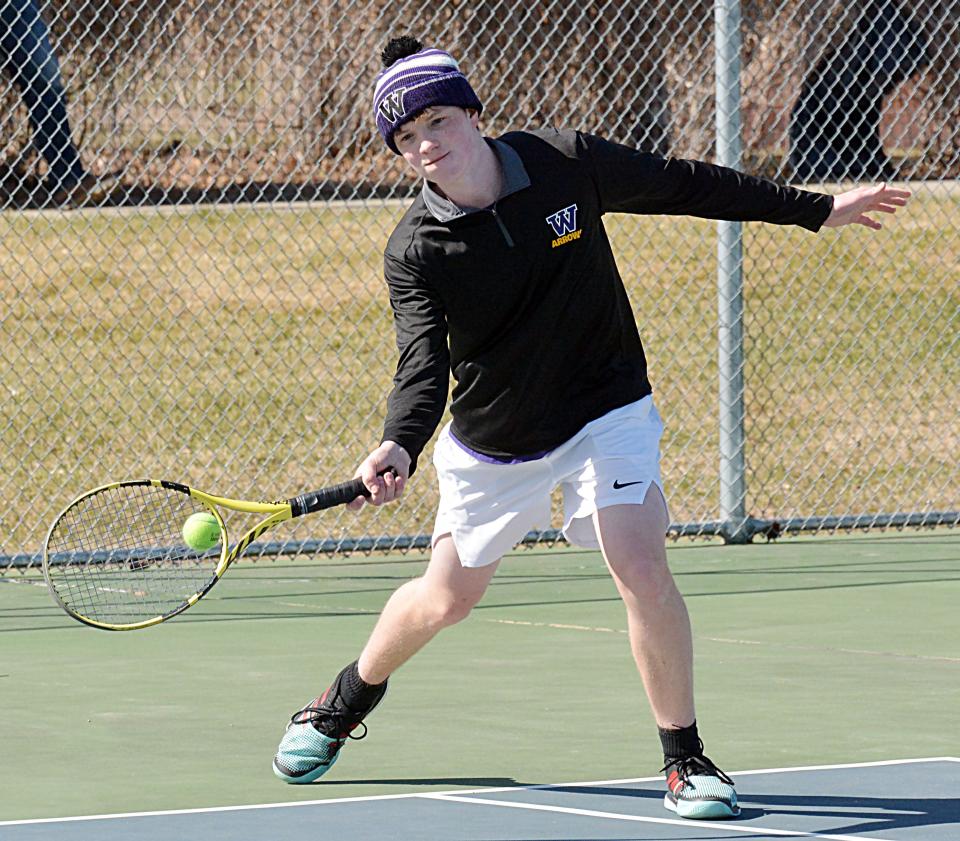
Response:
column 277, row 512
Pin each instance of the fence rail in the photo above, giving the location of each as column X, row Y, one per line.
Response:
column 208, row 306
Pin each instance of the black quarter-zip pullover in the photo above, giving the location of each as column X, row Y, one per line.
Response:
column 523, row 301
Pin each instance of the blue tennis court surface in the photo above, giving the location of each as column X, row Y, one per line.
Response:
column 899, row 800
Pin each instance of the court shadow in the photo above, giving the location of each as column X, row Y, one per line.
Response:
column 865, row 814
column 853, row 815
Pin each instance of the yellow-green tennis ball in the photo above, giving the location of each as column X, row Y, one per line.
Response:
column 201, row 531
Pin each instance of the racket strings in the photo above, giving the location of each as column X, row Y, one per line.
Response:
column 118, row 556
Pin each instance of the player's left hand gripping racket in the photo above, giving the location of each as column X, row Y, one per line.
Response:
column 117, row 558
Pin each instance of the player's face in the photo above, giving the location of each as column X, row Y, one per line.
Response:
column 440, row 143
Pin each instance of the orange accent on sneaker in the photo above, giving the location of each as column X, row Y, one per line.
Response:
column 674, row 783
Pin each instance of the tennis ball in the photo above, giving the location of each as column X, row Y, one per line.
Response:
column 201, row 531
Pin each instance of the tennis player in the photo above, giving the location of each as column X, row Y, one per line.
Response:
column 502, row 273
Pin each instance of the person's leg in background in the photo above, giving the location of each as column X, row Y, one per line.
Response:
column 28, row 58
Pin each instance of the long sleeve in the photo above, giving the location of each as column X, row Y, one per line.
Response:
column 419, row 395
column 630, row 181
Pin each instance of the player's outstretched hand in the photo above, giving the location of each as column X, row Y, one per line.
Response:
column 852, row 206
column 388, row 487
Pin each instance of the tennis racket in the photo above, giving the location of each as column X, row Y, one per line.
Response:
column 116, row 558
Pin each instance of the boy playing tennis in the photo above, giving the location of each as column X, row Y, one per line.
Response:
column 501, row 272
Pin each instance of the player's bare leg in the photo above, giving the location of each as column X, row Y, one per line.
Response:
column 632, row 538
column 414, row 614
column 444, row 595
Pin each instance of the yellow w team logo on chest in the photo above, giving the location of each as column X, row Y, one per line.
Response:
column 564, row 225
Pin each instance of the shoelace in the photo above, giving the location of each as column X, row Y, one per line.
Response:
column 690, row 766
column 337, row 720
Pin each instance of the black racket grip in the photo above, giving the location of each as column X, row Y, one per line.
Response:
column 331, row 497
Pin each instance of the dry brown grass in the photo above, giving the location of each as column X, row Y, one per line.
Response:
column 248, row 351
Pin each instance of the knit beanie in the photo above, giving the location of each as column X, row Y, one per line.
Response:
column 414, row 79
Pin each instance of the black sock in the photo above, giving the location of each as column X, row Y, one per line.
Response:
column 356, row 692
column 680, row 743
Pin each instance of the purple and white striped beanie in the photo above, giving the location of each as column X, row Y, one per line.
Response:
column 416, row 82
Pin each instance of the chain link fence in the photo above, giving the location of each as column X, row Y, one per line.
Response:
column 200, row 298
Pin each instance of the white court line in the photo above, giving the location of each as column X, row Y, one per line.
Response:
column 204, row 810
column 461, row 792
column 873, row 764
column 752, row 829
column 555, row 625
column 858, row 651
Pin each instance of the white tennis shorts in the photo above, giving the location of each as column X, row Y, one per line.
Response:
column 489, row 508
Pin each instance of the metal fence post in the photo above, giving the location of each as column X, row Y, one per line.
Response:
column 733, row 489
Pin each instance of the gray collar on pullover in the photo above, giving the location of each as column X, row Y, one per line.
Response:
column 515, row 178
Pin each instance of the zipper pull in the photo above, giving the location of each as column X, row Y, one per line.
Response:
column 503, row 228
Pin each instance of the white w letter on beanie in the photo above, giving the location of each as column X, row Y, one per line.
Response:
column 392, row 105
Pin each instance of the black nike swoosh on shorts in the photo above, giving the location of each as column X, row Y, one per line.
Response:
column 617, row 484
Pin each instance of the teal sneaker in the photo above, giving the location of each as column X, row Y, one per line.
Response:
column 697, row 789
column 315, row 734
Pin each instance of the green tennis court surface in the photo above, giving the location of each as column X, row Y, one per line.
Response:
column 810, row 652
